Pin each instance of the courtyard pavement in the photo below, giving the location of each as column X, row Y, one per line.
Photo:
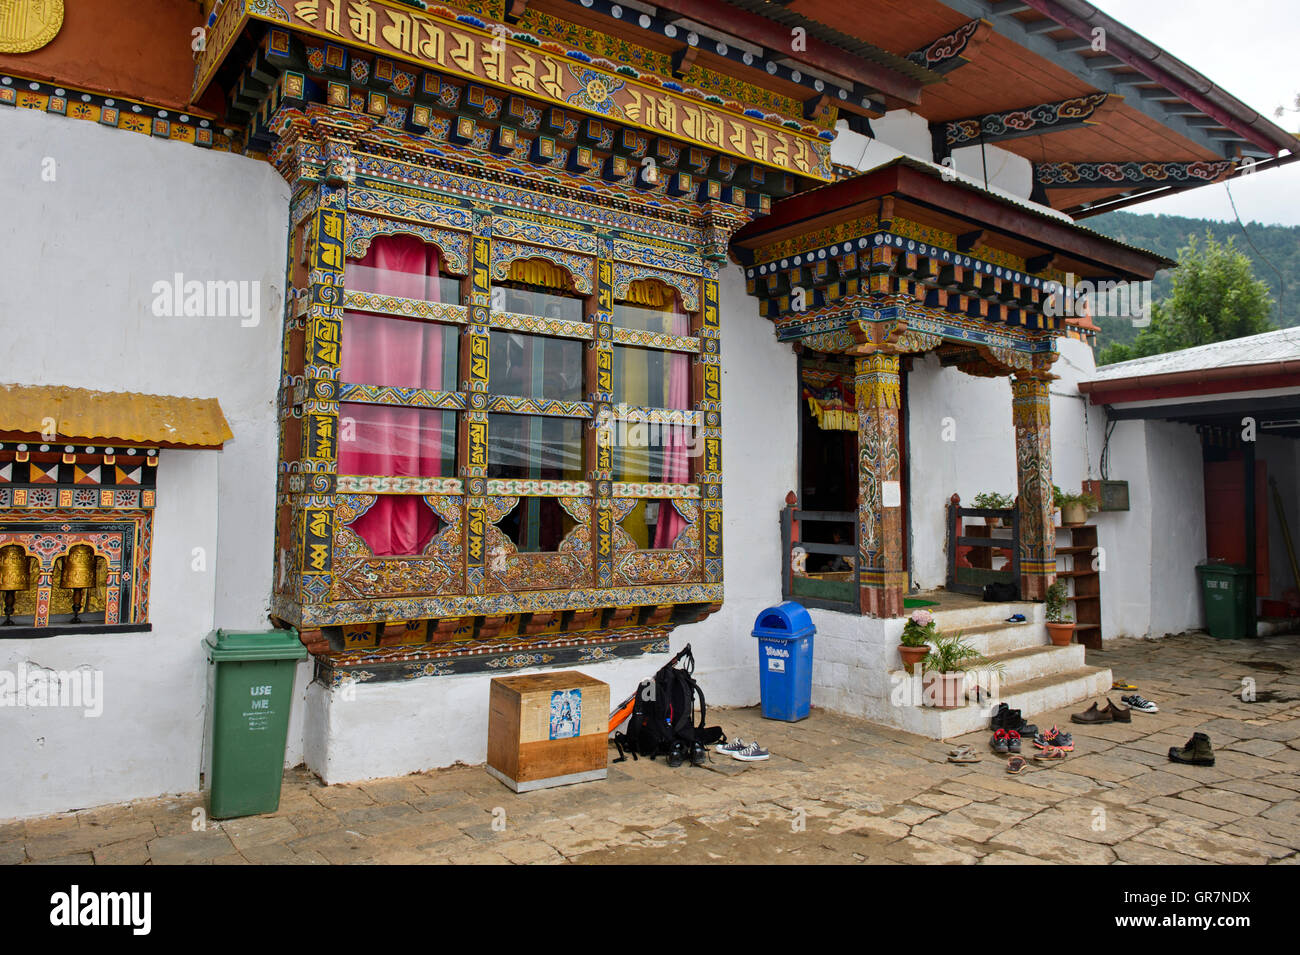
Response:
column 836, row 790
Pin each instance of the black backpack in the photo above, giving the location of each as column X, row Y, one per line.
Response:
column 664, row 714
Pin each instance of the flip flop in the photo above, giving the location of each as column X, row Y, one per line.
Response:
column 1016, row 765
column 1122, row 685
column 963, row 754
column 1053, row 755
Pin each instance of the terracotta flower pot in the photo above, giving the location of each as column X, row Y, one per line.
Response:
column 1074, row 515
column 912, row 655
column 943, row 691
column 1061, row 633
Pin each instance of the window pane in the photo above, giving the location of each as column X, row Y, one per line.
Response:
column 396, row 442
column 397, row 525
column 532, row 302
column 655, row 453
column 653, row 524
column 398, row 353
column 653, row 379
column 651, row 320
column 537, row 524
column 532, row 446
column 402, row 265
column 536, row 367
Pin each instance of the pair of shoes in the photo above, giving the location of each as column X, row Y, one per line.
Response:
column 1052, row 754
column 1055, row 739
column 739, row 749
column 1005, row 741
column 1197, row 752
column 1016, row 618
column 696, row 751
column 1110, row 714
column 1136, row 702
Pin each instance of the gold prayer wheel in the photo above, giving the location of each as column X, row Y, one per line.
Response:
column 15, row 575
column 78, row 575
column 15, row 568
column 78, row 568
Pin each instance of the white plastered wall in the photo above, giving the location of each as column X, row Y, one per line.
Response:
column 82, row 253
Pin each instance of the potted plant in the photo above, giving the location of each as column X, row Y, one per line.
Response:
column 944, row 671
column 992, row 500
column 1074, row 508
column 919, row 630
column 1060, row 625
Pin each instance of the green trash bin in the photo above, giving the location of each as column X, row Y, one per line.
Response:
column 1226, row 593
column 250, row 691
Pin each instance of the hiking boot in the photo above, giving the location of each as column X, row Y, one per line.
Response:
column 699, row 755
column 1120, row 714
column 677, row 755
column 751, row 753
column 1197, row 752
column 1136, row 702
column 1093, row 715
column 1054, row 739
column 1005, row 718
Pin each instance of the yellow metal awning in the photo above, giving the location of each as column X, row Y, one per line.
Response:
column 112, row 416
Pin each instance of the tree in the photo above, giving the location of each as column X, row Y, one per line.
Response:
column 1215, row 296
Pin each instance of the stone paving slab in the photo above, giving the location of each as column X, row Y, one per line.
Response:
column 837, row 790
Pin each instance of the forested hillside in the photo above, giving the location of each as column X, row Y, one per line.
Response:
column 1278, row 251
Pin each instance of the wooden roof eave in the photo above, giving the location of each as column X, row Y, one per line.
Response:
column 954, row 199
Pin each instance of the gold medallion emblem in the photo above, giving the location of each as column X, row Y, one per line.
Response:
column 27, row 25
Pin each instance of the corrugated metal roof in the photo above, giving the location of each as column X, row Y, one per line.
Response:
column 1270, row 347
column 120, row 416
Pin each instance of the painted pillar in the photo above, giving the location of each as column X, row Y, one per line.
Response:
column 880, row 513
column 600, row 393
column 709, row 462
column 1031, row 410
column 474, row 372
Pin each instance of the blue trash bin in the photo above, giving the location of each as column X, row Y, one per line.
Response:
column 785, row 651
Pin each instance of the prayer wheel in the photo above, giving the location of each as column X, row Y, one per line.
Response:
column 78, row 575
column 15, row 575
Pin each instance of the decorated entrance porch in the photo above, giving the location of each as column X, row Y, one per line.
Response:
column 909, row 260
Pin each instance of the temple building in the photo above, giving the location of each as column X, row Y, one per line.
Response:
column 473, row 337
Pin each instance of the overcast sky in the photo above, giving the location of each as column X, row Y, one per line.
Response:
column 1251, row 49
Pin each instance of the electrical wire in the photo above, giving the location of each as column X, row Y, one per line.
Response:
column 1281, row 282
column 1105, row 449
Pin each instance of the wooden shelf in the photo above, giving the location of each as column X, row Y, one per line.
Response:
column 1085, row 582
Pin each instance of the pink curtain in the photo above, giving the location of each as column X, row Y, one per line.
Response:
column 400, row 442
column 677, row 465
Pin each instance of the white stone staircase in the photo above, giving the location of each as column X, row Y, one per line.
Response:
column 1037, row 676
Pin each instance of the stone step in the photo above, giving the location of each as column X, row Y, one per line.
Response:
column 1030, row 663
column 994, row 638
column 1040, row 695
column 981, row 615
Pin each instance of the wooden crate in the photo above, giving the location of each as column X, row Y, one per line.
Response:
column 548, row 729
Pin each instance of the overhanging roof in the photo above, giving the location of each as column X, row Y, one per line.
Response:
column 936, row 196
column 112, row 416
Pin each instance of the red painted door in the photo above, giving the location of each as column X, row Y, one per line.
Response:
column 1225, row 504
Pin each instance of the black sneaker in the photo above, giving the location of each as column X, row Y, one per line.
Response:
column 677, row 755
column 699, row 755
